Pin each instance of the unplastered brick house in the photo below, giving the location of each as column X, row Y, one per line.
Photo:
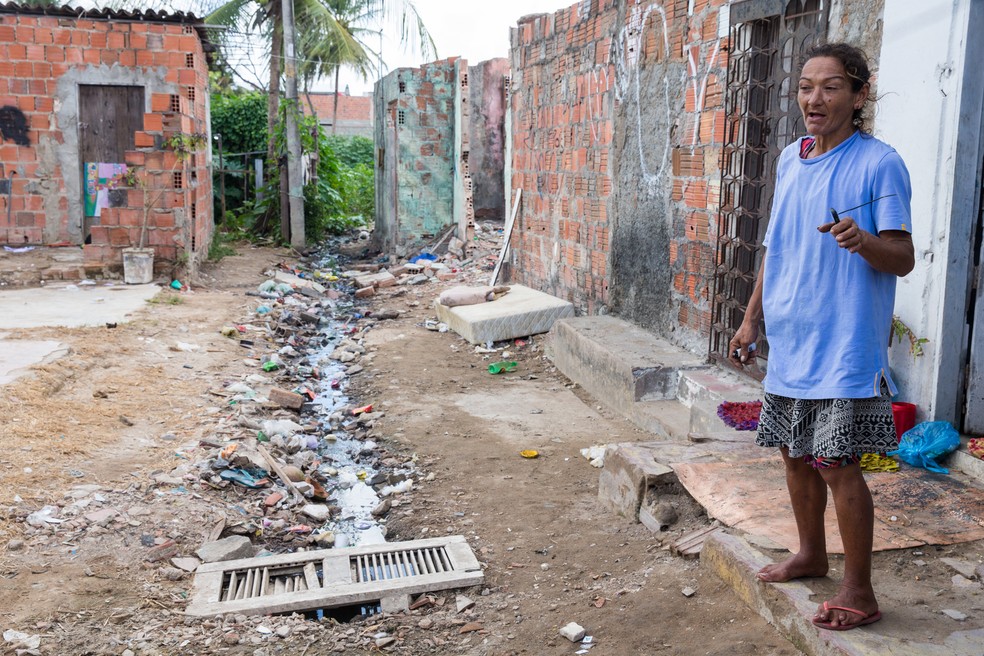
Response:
column 644, row 136
column 104, row 118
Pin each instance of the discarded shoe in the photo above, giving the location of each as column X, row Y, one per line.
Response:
column 865, row 618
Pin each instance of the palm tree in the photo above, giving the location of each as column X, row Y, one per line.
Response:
column 339, row 39
column 330, row 39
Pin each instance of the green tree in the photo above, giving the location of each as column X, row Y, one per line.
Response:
column 330, row 40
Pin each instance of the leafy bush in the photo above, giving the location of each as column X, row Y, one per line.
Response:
column 353, row 150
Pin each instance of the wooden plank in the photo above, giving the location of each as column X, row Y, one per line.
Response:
column 276, row 467
column 507, row 233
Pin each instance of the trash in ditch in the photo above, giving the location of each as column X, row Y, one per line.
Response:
column 270, row 366
column 253, row 479
column 358, row 411
column 499, row 367
column 176, row 284
column 529, row 453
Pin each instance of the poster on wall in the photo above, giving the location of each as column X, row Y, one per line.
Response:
column 100, row 177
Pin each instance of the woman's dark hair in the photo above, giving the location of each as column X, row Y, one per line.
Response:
column 855, row 64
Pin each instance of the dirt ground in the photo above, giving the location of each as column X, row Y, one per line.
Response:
column 103, row 429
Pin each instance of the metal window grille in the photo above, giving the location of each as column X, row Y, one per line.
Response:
column 763, row 117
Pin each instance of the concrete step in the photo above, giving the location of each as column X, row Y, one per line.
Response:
column 617, row 362
column 789, row 607
column 665, row 419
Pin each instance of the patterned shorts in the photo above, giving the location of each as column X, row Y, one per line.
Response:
column 827, row 432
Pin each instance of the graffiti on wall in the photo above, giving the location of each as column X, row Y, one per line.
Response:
column 624, row 56
column 13, row 126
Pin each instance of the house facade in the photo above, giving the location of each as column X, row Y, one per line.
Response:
column 104, row 117
column 644, row 136
column 354, row 115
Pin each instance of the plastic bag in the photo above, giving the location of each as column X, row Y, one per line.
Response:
column 921, row 445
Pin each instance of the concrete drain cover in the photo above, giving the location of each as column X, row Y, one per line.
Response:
column 384, row 573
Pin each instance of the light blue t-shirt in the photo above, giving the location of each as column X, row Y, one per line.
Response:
column 828, row 313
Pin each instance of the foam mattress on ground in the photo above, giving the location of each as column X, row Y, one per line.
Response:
column 521, row 312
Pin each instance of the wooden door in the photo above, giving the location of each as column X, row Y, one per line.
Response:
column 108, row 118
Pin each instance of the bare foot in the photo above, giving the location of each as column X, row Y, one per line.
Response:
column 795, row 567
column 848, row 608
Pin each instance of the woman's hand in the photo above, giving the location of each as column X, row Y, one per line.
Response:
column 847, row 233
column 741, row 348
column 890, row 251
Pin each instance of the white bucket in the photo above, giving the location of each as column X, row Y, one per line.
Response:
column 138, row 265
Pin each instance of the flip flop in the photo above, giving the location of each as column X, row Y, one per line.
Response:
column 865, row 618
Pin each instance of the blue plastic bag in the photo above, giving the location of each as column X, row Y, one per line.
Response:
column 922, row 444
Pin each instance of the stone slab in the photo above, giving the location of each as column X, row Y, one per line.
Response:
column 17, row 356
column 72, row 306
column 617, row 362
column 789, row 607
column 521, row 312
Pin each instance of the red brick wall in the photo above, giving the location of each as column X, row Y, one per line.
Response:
column 350, row 108
column 605, row 169
column 35, row 53
column 561, row 141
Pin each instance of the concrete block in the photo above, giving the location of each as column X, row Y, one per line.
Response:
column 519, row 313
column 378, row 280
column 704, row 390
column 629, row 470
column 617, row 362
column 233, row 547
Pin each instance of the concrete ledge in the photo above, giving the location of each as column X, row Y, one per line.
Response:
column 616, row 362
column 704, row 390
column 629, row 470
column 789, row 608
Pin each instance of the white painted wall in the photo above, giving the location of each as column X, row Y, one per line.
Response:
column 920, row 81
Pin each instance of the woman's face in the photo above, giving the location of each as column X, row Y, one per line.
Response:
column 826, row 99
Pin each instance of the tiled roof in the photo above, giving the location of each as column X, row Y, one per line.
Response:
column 148, row 15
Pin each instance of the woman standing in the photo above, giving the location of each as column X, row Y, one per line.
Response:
column 826, row 291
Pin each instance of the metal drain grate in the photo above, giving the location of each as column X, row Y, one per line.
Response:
column 330, row 578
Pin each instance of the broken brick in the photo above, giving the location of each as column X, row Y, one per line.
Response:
column 286, row 399
column 162, row 552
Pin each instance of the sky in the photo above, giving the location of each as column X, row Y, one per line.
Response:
column 473, row 29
